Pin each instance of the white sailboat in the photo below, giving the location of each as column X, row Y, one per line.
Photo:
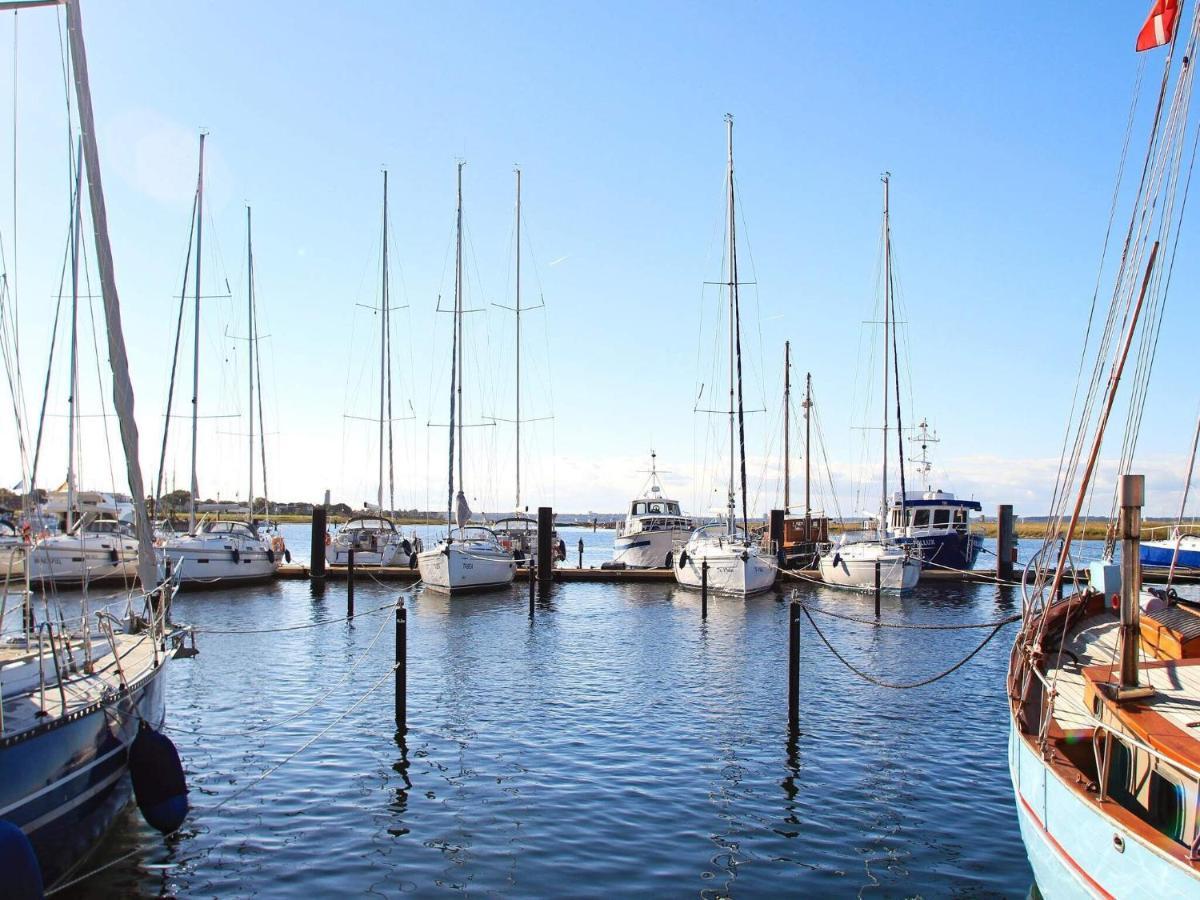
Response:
column 372, row 535
column 92, row 546
column 653, row 528
column 878, row 561
column 722, row 554
column 220, row 552
column 468, row 557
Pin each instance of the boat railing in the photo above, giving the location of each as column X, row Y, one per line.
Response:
column 1167, row 532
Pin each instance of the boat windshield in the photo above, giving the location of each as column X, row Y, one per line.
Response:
column 241, row 529
column 108, row 526
column 364, row 523
column 515, row 523
column 715, row 530
column 655, row 508
column 474, row 534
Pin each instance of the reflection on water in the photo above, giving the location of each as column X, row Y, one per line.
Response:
column 614, row 743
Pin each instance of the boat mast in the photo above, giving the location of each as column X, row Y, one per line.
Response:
column 807, row 453
column 73, row 389
column 518, row 313
column 455, row 387
column 383, row 332
column 458, row 318
column 787, row 431
column 117, row 355
column 732, row 325
column 196, row 337
column 250, row 355
column 887, row 304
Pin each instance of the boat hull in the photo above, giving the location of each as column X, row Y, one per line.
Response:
column 73, row 560
column 897, row 573
column 735, row 572
column 64, row 785
column 454, row 569
column 209, row 565
column 945, row 550
column 1071, row 843
column 1160, row 554
column 649, row 549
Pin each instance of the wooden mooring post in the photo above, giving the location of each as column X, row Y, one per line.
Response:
column 878, row 588
column 793, row 665
column 1006, row 545
column 775, row 533
column 401, row 666
column 532, row 588
column 545, row 538
column 350, row 584
column 316, row 563
column 704, row 589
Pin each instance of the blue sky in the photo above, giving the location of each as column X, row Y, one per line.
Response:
column 1001, row 126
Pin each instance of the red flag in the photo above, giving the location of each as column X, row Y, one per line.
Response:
column 1160, row 26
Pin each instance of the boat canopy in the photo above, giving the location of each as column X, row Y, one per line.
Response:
column 368, row 523
column 242, row 529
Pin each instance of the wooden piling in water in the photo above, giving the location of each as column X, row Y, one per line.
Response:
column 545, row 544
column 793, row 665
column 581, row 553
column 401, row 666
column 1006, row 547
column 704, row 589
column 878, row 587
column 350, row 584
column 775, row 531
column 532, row 590
column 316, row 564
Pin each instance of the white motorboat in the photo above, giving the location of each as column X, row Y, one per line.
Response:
column 519, row 533
column 736, row 563
column 724, row 554
column 375, row 541
column 220, row 552
column 653, row 528
column 95, row 548
column 853, row 564
column 467, row 558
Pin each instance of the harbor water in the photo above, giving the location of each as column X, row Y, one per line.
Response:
column 615, row 743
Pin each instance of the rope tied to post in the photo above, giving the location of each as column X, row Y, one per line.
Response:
column 866, row 676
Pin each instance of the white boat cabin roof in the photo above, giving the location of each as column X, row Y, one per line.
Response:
column 912, row 499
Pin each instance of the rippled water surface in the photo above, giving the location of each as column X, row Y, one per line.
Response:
column 614, row 744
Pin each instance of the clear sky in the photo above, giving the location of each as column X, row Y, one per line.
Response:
column 1000, row 123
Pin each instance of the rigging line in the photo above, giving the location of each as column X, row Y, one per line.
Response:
column 13, row 280
column 112, row 477
column 896, row 369
column 162, row 457
column 37, row 446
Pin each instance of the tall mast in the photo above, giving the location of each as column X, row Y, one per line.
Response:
column 458, row 318
column 887, row 308
column 807, row 452
column 383, row 335
column 117, row 355
column 195, row 488
column 787, row 431
column 518, row 311
column 732, row 314
column 73, row 390
column 250, row 354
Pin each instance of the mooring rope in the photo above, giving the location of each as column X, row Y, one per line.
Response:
column 1008, row 620
column 866, row 676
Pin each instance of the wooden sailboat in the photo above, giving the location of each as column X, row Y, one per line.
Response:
column 469, row 557
column 804, row 534
column 220, row 552
column 863, row 564
column 1104, row 682
column 81, row 691
column 371, row 534
column 723, row 555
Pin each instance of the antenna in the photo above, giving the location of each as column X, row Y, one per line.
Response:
column 924, row 438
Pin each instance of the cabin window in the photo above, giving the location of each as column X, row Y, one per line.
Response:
column 1166, row 806
column 673, row 509
column 1120, row 768
column 921, row 518
column 941, row 517
column 639, row 509
column 960, row 517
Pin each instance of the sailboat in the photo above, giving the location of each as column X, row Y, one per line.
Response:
column 878, row 561
column 469, row 557
column 95, row 543
column 84, row 694
column 519, row 531
column 723, row 555
column 653, row 528
column 1104, row 681
column 217, row 552
column 371, row 534
column 802, row 535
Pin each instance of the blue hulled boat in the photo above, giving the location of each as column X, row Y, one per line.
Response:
column 1162, row 554
column 940, row 525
